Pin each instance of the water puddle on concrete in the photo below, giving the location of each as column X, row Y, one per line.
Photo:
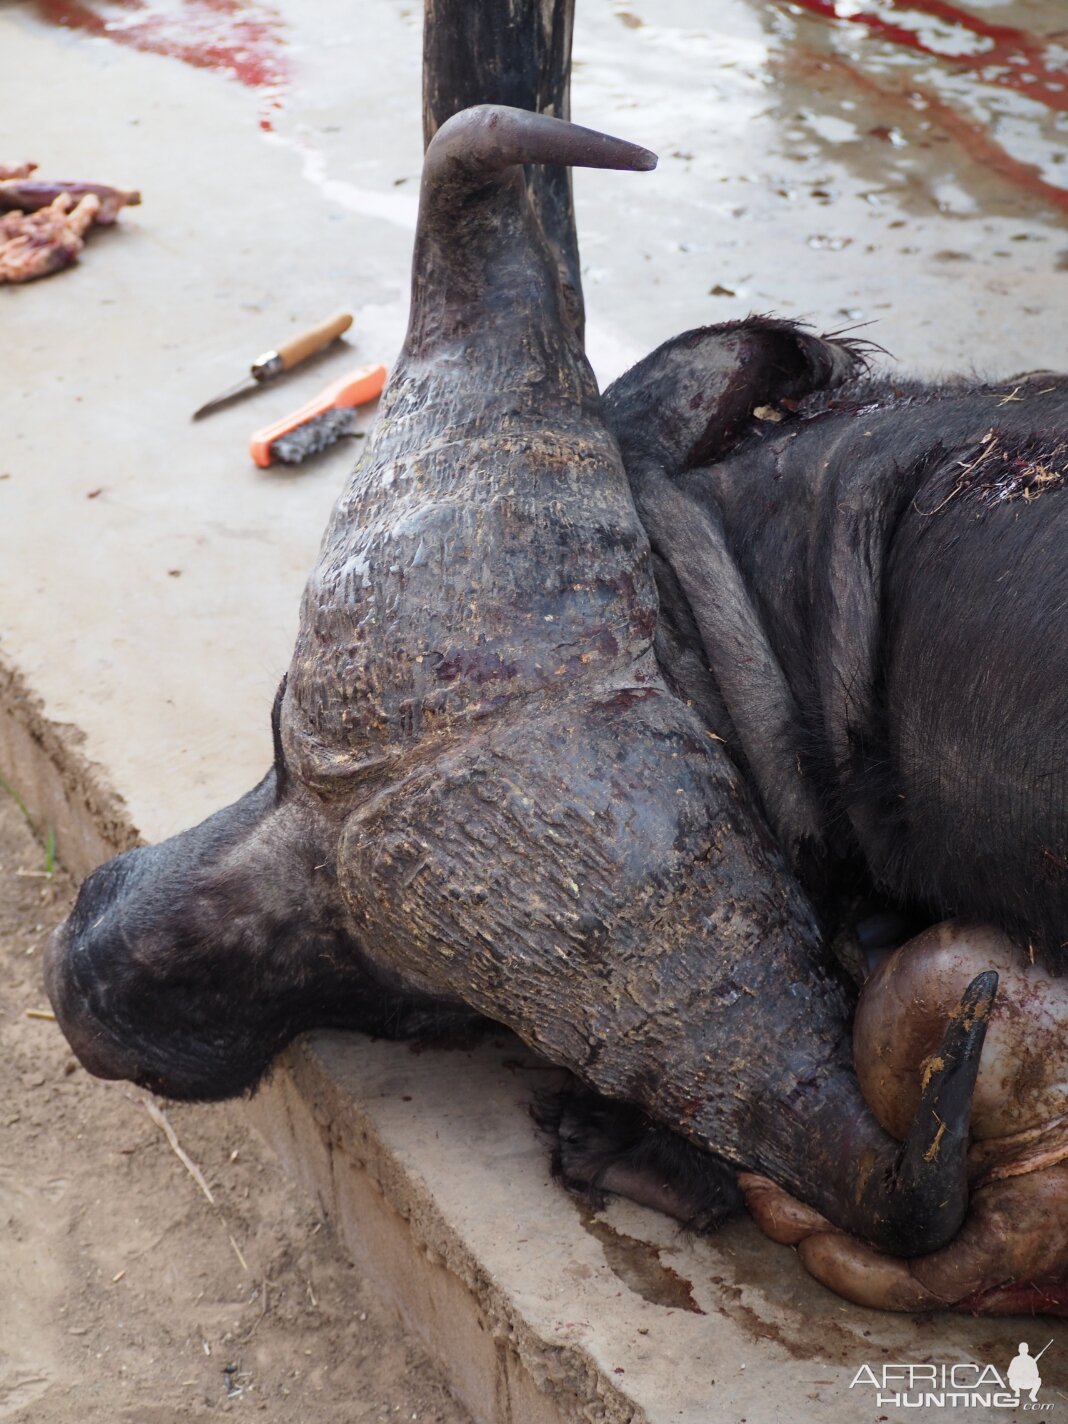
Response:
column 976, row 105
column 958, row 86
column 897, row 162
column 928, row 104
column 638, row 1265
column 399, row 208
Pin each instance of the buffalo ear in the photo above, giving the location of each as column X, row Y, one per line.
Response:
column 690, row 400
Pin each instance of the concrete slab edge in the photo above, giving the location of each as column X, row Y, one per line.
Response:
column 501, row 1368
column 385, row 1218
column 44, row 761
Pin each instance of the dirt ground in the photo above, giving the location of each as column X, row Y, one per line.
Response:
column 125, row 1297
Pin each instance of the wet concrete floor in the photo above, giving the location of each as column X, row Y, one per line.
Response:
column 895, row 164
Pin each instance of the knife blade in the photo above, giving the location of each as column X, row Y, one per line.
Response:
column 273, row 363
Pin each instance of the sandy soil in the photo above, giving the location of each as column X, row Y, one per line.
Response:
column 125, row 1297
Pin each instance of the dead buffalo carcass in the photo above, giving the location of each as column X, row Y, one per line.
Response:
column 864, row 591
column 485, row 796
column 876, row 575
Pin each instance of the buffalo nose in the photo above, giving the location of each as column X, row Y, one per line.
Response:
column 89, row 1039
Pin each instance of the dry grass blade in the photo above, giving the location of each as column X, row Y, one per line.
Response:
column 45, row 1014
column 263, row 1311
column 159, row 1117
column 237, row 1253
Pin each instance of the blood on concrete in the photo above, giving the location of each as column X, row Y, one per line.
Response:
column 235, row 37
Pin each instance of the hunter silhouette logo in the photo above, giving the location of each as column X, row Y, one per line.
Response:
column 963, row 1386
column 1023, row 1372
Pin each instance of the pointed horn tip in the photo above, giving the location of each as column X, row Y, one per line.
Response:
column 494, row 136
column 983, row 986
column 932, row 1168
column 620, row 154
column 977, row 1001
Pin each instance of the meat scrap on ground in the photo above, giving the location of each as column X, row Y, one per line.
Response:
column 19, row 190
column 43, row 224
column 38, row 244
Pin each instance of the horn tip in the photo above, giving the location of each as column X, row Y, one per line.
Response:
column 977, row 1001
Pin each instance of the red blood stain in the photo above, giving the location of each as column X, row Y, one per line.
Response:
column 973, row 138
column 232, row 36
column 1013, row 59
column 1048, row 1296
column 977, row 143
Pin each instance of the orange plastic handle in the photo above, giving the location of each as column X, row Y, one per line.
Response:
column 357, row 388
